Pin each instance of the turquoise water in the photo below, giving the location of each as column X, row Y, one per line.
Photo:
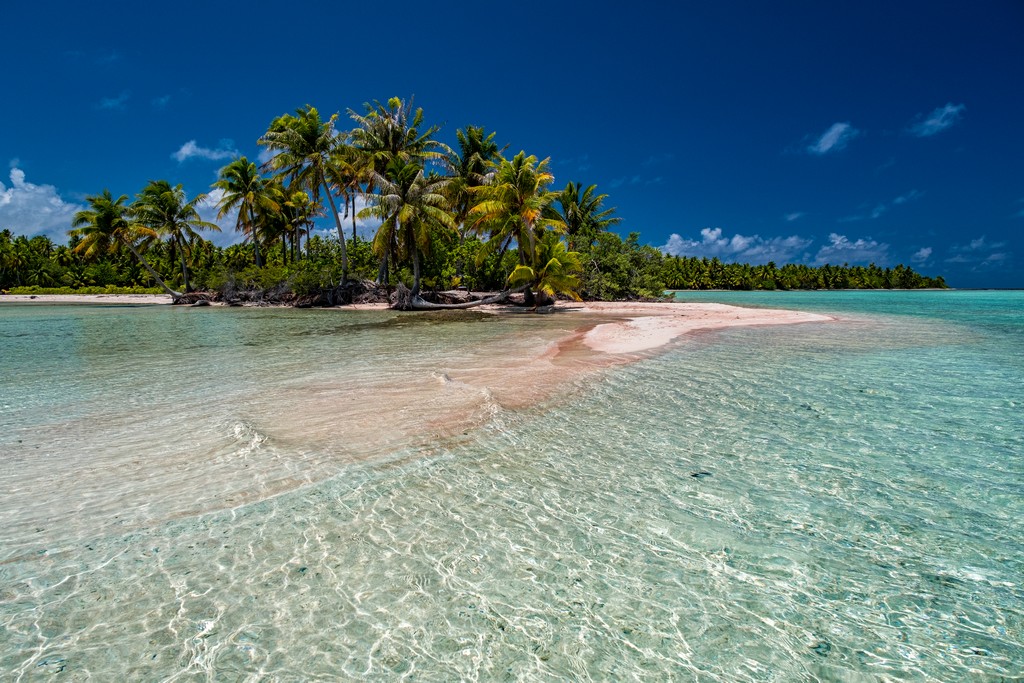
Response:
column 195, row 494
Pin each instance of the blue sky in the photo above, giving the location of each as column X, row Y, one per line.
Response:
column 796, row 132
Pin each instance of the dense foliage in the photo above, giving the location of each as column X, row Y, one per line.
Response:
column 449, row 217
column 612, row 268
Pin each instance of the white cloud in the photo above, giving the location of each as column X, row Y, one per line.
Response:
column 921, row 255
column 752, row 249
column 937, row 121
column 266, row 154
column 191, row 150
column 790, row 217
column 30, row 209
column 841, row 250
column 113, row 102
column 208, row 212
column 160, row 102
column 833, row 139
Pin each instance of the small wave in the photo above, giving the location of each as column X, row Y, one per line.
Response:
column 250, row 437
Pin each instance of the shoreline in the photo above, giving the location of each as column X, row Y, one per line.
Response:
column 616, row 327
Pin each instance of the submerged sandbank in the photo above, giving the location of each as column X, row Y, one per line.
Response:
column 87, row 298
column 634, row 327
column 392, row 385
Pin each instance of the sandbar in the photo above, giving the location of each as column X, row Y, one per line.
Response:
column 625, row 327
column 646, row 326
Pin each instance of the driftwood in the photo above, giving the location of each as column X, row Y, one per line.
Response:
column 405, row 301
column 194, row 298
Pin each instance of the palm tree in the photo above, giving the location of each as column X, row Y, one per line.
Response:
column 583, row 214
column 305, row 147
column 556, row 271
column 349, row 170
column 470, row 166
column 516, row 206
column 105, row 226
column 413, row 211
column 245, row 190
column 165, row 210
column 391, row 133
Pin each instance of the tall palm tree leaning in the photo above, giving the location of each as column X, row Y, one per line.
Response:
column 245, row 190
column 516, row 206
column 165, row 210
column 105, row 226
column 304, row 146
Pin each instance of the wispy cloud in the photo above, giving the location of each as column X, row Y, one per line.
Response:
column 834, row 139
column 941, row 118
column 660, row 158
column 921, row 255
column 861, row 251
column 979, row 255
column 880, row 209
column 908, row 197
column 1020, row 212
column 796, row 215
column 27, row 208
column 160, row 102
column 114, row 102
column 752, row 249
column 580, row 163
column 624, row 180
column 191, row 150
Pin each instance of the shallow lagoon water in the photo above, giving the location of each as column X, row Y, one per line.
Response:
column 834, row 501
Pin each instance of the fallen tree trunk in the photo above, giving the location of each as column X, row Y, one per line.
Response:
column 404, row 301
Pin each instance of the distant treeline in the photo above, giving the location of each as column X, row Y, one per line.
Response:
column 612, row 268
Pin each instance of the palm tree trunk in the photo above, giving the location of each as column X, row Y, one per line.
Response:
column 341, row 232
column 184, row 269
column 153, row 273
column 415, row 271
column 353, row 218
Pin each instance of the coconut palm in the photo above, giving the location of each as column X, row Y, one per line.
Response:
column 413, row 211
column 167, row 211
column 349, row 171
column 556, row 271
column 469, row 166
column 583, row 214
column 391, row 133
column 105, row 226
column 244, row 190
column 305, row 146
column 516, row 206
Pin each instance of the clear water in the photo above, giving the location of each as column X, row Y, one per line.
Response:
column 194, row 494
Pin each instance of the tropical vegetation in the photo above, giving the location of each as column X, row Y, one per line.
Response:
column 465, row 217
